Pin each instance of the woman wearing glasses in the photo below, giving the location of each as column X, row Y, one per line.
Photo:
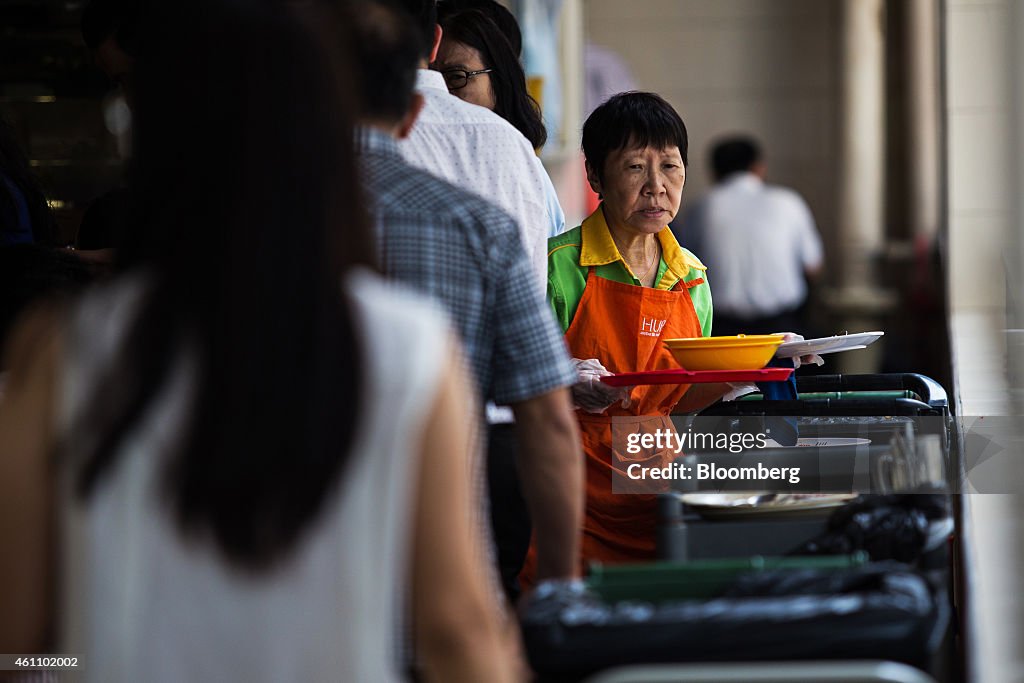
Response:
column 481, row 66
column 479, row 59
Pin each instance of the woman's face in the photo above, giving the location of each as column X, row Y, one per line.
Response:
column 642, row 187
column 455, row 55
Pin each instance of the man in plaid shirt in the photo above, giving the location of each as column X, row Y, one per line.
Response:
column 467, row 253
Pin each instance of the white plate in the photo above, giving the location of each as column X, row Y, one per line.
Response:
column 825, row 442
column 823, row 345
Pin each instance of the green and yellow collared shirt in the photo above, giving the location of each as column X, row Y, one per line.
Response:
column 571, row 254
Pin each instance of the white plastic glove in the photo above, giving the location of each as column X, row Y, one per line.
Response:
column 802, row 360
column 563, row 592
column 590, row 393
column 739, row 389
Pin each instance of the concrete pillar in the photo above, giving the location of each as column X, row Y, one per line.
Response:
column 862, row 140
column 921, row 45
column 861, row 219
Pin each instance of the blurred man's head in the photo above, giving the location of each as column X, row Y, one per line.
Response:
column 388, row 48
column 736, row 155
column 110, row 30
column 424, row 18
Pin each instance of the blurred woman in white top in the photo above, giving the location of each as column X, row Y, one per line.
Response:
column 235, row 461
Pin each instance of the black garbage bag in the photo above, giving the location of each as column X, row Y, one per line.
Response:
column 872, row 578
column 893, row 527
column 872, row 612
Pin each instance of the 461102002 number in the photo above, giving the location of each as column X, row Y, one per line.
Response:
column 44, row 662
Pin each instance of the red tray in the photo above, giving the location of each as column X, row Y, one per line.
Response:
column 627, row 379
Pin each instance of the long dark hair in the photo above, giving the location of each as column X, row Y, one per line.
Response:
column 499, row 14
column 14, row 166
column 512, row 102
column 246, row 215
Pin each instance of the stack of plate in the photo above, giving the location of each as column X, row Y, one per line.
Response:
column 753, row 504
column 823, row 345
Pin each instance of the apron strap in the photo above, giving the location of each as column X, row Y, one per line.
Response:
column 680, row 285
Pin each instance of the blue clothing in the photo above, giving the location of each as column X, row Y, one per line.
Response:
column 15, row 221
column 554, row 208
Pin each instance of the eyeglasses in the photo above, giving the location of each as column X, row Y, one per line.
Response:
column 456, row 79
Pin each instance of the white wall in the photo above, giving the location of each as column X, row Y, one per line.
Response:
column 981, row 135
column 769, row 67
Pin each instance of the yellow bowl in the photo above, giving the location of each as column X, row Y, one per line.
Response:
column 742, row 352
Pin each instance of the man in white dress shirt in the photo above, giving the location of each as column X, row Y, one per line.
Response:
column 477, row 150
column 758, row 241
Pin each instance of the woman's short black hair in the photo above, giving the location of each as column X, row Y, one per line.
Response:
column 512, row 102
column 634, row 119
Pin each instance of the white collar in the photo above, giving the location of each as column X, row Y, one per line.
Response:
column 744, row 179
column 428, row 78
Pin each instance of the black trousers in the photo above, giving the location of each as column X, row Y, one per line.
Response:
column 510, row 519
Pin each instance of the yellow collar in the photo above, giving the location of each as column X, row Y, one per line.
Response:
column 598, row 248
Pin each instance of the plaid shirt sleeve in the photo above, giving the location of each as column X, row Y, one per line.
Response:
column 530, row 352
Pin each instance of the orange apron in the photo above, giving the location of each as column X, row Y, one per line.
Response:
column 623, row 326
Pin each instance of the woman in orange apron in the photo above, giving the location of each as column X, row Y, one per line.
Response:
column 620, row 285
column 607, row 326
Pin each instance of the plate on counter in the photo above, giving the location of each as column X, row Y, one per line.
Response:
column 823, row 345
column 821, row 442
column 754, row 504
